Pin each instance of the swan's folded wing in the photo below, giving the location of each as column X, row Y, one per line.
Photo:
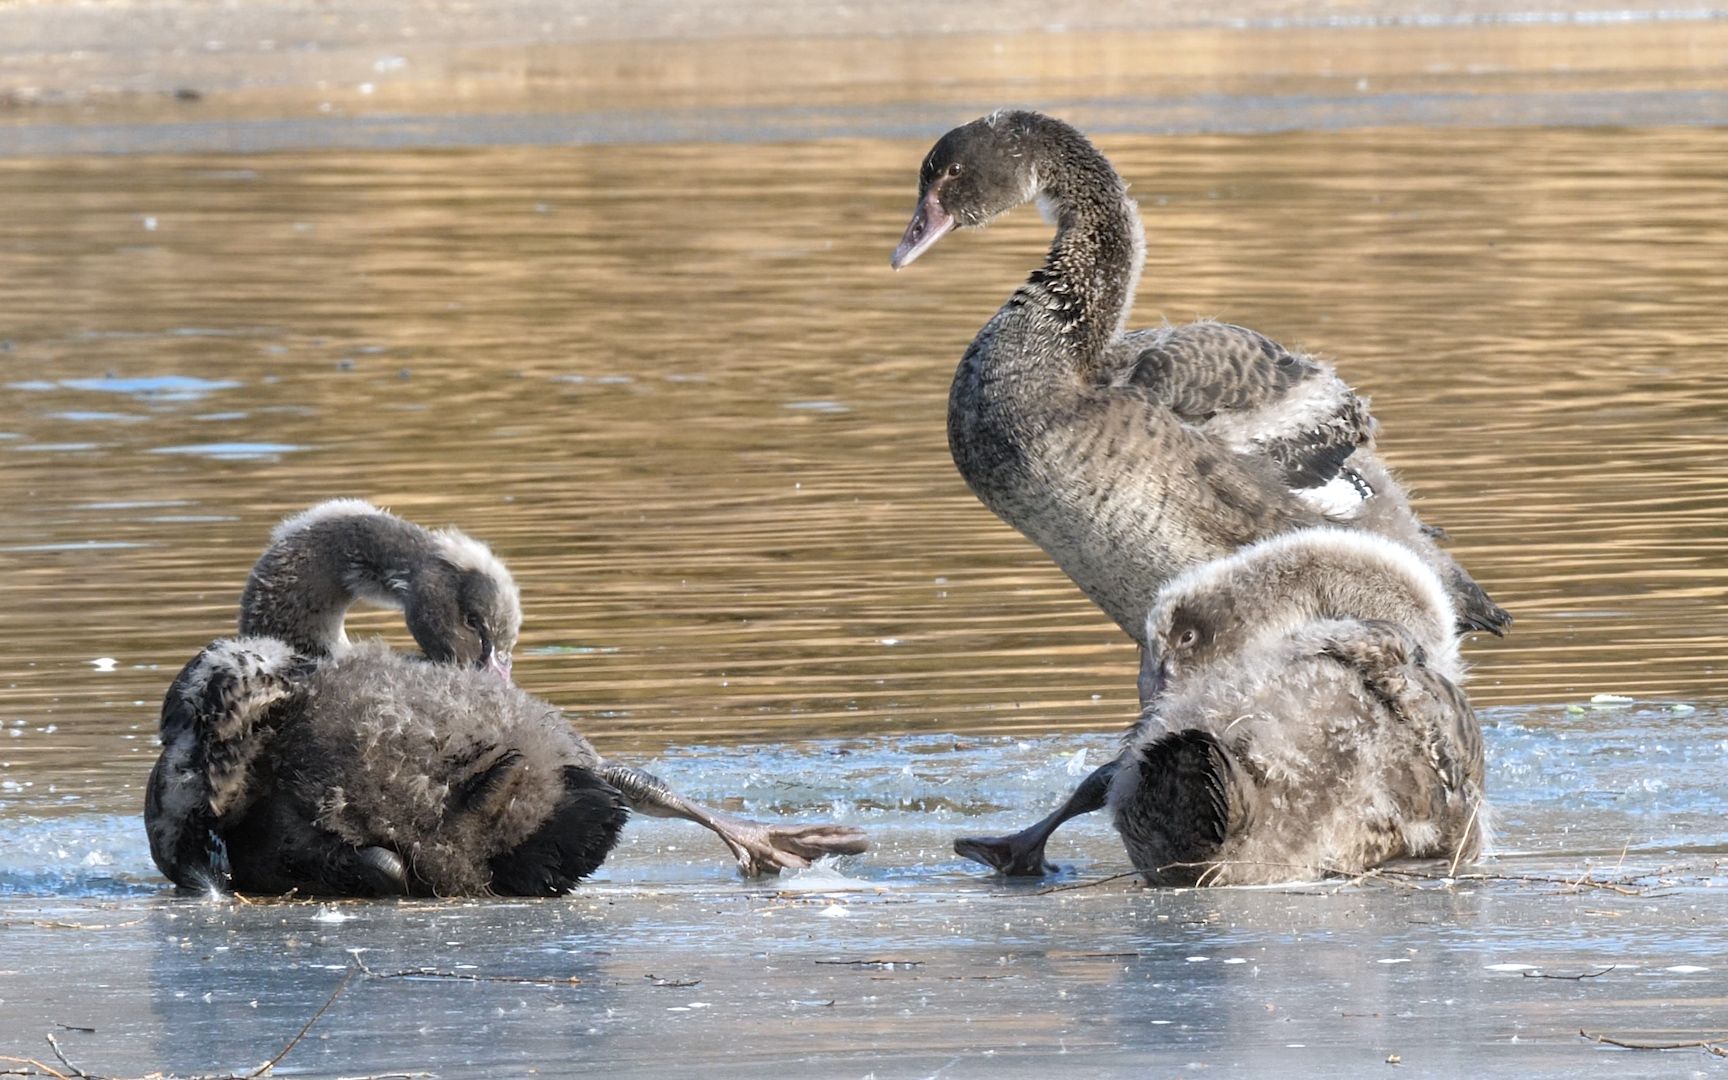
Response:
column 1235, row 496
column 1203, row 368
column 1432, row 709
column 1251, row 392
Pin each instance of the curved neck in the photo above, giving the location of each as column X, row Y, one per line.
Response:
column 304, row 584
column 1085, row 288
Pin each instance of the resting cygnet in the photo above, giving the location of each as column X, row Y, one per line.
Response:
column 373, row 773
column 1305, row 718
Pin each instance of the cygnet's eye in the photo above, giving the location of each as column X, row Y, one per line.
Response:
column 1190, row 637
column 954, row 169
column 473, row 621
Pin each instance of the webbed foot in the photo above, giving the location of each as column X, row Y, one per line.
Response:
column 763, row 849
column 1018, row 855
column 1022, row 854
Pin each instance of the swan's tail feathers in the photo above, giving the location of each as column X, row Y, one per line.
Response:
column 1180, row 814
column 179, row 824
column 215, row 722
column 222, row 703
column 1475, row 610
column 570, row 844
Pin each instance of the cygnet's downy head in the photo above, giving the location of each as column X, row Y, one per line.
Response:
column 463, row 606
column 1264, row 592
column 972, row 174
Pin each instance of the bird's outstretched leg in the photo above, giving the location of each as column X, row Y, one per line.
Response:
column 760, row 847
column 1021, row 854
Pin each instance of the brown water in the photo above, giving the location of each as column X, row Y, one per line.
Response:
column 678, row 388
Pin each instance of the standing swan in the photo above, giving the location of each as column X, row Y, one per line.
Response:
column 351, row 770
column 1129, row 457
column 1306, row 719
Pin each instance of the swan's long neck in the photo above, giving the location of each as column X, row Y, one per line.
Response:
column 303, row 585
column 1085, row 289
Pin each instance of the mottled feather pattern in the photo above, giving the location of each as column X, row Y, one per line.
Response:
column 1127, row 457
column 226, row 692
column 1251, row 393
column 218, row 718
column 401, row 713
column 1327, row 778
column 1328, row 681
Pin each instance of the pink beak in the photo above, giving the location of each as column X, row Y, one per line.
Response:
column 929, row 224
column 499, row 664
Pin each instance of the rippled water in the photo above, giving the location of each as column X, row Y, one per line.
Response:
column 679, row 390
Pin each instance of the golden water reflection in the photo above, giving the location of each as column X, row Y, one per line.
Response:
column 679, row 389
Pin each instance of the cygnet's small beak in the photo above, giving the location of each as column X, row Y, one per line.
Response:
column 1154, row 675
column 498, row 664
column 929, row 224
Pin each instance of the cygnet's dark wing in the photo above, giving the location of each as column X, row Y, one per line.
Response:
column 1258, row 397
column 572, row 842
column 217, row 719
column 1443, row 777
column 1182, row 812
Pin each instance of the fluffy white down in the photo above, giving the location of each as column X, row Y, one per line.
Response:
column 324, row 511
column 1342, row 547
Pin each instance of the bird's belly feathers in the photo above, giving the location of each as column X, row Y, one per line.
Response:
column 1070, row 476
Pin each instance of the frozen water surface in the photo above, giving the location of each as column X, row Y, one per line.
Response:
column 932, row 966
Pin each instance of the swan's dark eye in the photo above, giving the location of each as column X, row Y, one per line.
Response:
column 1189, row 638
column 473, row 621
column 954, row 169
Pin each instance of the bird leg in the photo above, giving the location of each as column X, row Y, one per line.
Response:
column 760, row 848
column 1022, row 854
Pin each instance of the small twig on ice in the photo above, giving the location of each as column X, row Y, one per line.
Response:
column 675, row 984
column 1715, row 1047
column 1046, row 891
column 322, row 1009
column 871, row 963
column 463, row 976
column 1573, row 978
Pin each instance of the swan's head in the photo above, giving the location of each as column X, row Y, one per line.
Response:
column 1266, row 591
column 463, row 606
column 972, row 174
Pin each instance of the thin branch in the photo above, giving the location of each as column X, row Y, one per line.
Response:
column 1570, row 978
column 1458, row 855
column 1712, row 1046
column 37, row 1068
column 322, row 1009
column 463, row 976
column 54, row 1045
column 1391, row 875
column 1047, row 890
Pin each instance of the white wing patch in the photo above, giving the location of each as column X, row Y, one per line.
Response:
column 1340, row 498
